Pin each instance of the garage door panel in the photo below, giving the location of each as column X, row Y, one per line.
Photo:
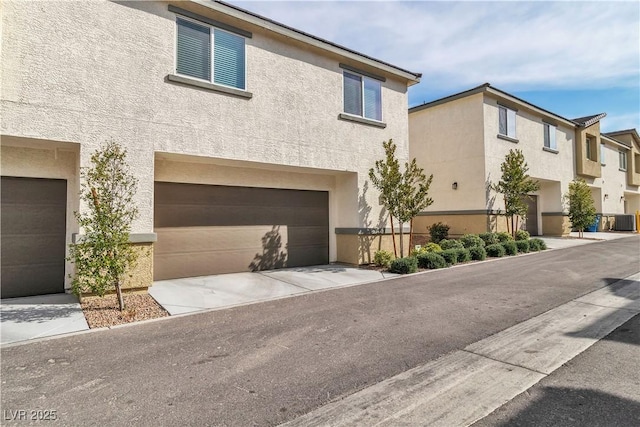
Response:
column 33, row 236
column 32, row 248
column 23, row 219
column 226, row 215
column 229, row 229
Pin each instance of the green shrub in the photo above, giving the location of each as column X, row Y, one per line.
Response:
column 478, row 253
column 504, row 237
column 523, row 246
column 431, row 260
column 522, row 235
column 496, row 250
column 510, row 247
column 471, row 240
column 432, row 247
column 489, row 238
column 383, row 258
column 451, row 244
column 536, row 244
column 429, row 247
column 404, row 265
column 438, row 232
column 463, row 254
column 450, row 256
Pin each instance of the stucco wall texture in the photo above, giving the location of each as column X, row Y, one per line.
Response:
column 458, row 142
column 86, row 72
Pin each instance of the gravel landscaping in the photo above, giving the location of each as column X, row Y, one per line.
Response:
column 104, row 312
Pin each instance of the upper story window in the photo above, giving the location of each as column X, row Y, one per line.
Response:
column 362, row 96
column 623, row 160
column 507, row 121
column 590, row 148
column 602, row 151
column 208, row 53
column 550, row 136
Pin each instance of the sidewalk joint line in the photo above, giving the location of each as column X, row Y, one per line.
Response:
column 283, row 281
column 633, row 310
column 506, row 363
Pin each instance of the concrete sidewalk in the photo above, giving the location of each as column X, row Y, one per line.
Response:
column 465, row 386
column 179, row 296
column 28, row 318
column 573, row 239
column 600, row 387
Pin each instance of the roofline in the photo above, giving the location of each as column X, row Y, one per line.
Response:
column 632, row 131
column 287, row 31
column 596, row 118
column 608, row 138
column 487, row 88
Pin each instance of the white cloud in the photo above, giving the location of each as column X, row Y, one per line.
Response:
column 457, row 45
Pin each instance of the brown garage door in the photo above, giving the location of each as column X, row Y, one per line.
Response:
column 33, row 228
column 213, row 229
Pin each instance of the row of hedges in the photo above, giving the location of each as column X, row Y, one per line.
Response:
column 451, row 251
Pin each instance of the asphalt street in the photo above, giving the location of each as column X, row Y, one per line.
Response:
column 598, row 388
column 267, row 363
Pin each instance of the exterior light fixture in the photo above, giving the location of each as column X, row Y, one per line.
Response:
column 454, row 185
column 606, row 196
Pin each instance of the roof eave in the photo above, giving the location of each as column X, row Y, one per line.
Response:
column 615, row 141
column 271, row 25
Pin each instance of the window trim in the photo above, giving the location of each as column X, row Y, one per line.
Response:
column 362, row 116
column 623, row 155
column 211, row 22
column 212, row 51
column 551, row 128
column 588, row 149
column 514, row 137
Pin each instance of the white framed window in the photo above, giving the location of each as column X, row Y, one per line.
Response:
column 623, row 160
column 602, row 151
column 208, row 53
column 362, row 96
column 590, row 149
column 507, row 121
column 550, row 136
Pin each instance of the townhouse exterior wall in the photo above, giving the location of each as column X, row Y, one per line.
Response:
column 472, row 118
column 82, row 73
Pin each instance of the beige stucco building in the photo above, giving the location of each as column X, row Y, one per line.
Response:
column 251, row 141
column 463, row 139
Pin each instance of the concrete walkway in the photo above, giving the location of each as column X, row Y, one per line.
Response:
column 489, row 372
column 179, row 296
column 574, row 240
column 28, row 318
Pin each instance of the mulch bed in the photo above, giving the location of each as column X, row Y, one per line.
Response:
column 103, row 312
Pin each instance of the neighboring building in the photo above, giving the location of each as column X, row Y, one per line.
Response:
column 251, row 141
column 463, row 139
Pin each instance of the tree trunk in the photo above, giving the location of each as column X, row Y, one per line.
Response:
column 119, row 293
column 401, row 224
column 517, row 226
column 393, row 237
column 410, row 234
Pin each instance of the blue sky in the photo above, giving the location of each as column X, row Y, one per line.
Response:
column 572, row 58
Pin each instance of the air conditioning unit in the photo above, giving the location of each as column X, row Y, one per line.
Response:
column 625, row 223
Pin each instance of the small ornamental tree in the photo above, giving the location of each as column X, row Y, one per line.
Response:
column 386, row 177
column 103, row 255
column 404, row 194
column 515, row 185
column 582, row 212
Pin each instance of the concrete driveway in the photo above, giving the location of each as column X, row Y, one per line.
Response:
column 28, row 318
column 179, row 296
